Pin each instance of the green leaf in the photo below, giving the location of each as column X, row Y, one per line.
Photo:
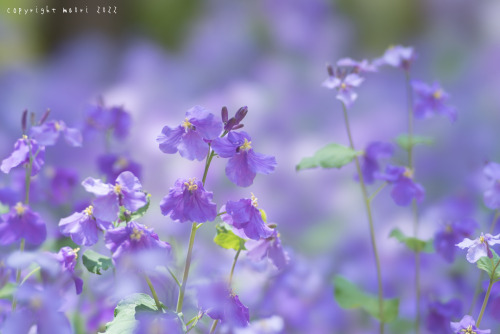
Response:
column 488, row 265
column 95, row 262
column 412, row 243
column 330, row 156
column 3, row 208
column 349, row 296
column 227, row 239
column 404, row 141
column 137, row 214
column 126, row 311
column 7, row 291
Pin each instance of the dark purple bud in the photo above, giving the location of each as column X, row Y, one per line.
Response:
column 329, row 68
column 44, row 117
column 32, row 119
column 240, row 114
column 490, row 253
column 23, row 121
column 224, row 114
column 230, row 124
column 239, row 126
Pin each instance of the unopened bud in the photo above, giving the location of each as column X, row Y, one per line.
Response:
column 44, row 117
column 329, row 68
column 32, row 119
column 23, row 121
column 241, row 113
column 239, row 126
column 224, row 114
column 230, row 124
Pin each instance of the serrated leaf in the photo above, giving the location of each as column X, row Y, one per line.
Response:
column 126, row 311
column 95, row 262
column 488, row 265
column 349, row 296
column 405, row 143
column 331, row 156
column 7, row 291
column 137, row 214
column 414, row 244
column 228, row 240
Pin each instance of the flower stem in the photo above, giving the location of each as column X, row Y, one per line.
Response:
column 153, row 292
column 370, row 221
column 372, row 197
column 29, row 275
column 485, row 301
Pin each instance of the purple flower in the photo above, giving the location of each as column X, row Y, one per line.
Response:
column 369, row 162
column 233, row 123
column 450, row 234
column 268, row 247
column 133, row 238
column 344, row 86
column 190, row 137
column 158, row 323
column 82, row 227
column 48, row 133
column 67, row 258
column 440, row 314
column 245, row 216
column 431, row 100
column 22, row 223
column 492, row 195
column 398, row 56
column 187, row 200
column 220, row 303
column 62, row 184
column 126, row 192
column 404, row 188
column 99, row 118
column 357, row 66
column 467, row 325
column 113, row 165
column 244, row 162
column 479, row 247
column 21, row 156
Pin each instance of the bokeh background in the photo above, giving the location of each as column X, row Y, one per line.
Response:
column 159, row 58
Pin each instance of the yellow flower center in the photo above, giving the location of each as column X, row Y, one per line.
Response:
column 481, row 239
column 136, row 234
column 117, row 189
column 468, row 330
column 246, row 145
column 408, row 173
column 75, row 251
column 191, row 185
column 343, row 86
column 25, row 137
column 448, row 228
column 20, row 209
column 36, row 303
column 437, row 94
column 254, row 200
column 89, row 210
column 187, row 124
column 57, row 126
column 121, row 163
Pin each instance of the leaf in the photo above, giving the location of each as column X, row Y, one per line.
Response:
column 330, row 156
column 414, row 244
column 7, row 291
column 126, row 311
column 487, row 264
column 404, row 141
column 95, row 262
column 137, row 214
column 3, row 208
column 227, row 239
column 349, row 296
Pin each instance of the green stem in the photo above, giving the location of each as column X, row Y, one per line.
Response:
column 209, row 160
column 214, row 325
column 153, row 292
column 174, row 277
column 180, row 300
column 29, row 275
column 377, row 191
column 485, row 301
column 370, row 221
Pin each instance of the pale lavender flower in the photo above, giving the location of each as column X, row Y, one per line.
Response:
column 48, row 133
column 344, row 86
column 479, row 247
column 467, row 326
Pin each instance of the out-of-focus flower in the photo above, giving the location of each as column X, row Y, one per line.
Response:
column 22, row 223
column 431, row 100
column 369, row 162
column 492, row 195
column 67, row 258
column 40, row 308
column 244, row 215
column 187, row 200
column 398, row 56
column 467, row 325
column 190, row 138
column 99, row 118
column 344, row 85
column 63, row 181
column 244, row 162
column 440, row 314
column 404, row 188
column 83, row 227
column 158, row 323
column 450, row 234
column 220, row 303
column 48, row 133
column 113, row 165
column 269, row 247
column 479, row 247
column 357, row 66
column 23, row 148
column 271, row 325
column 126, row 192
column 133, row 237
